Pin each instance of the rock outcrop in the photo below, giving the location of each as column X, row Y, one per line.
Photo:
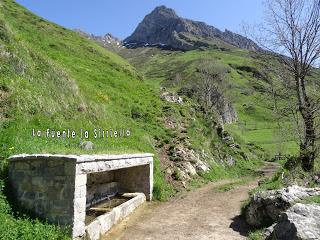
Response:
column 172, row 98
column 164, row 28
column 108, row 40
column 227, row 113
column 265, row 207
column 300, row 222
column 188, row 160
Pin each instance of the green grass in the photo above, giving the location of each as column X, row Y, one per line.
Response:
column 51, row 72
column 230, row 186
column 312, row 200
column 162, row 191
column 256, row 121
column 244, row 170
column 256, row 235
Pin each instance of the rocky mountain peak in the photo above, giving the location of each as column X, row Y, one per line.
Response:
column 164, row 28
column 164, row 12
column 107, row 40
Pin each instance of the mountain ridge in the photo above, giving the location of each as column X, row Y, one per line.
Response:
column 164, row 28
column 107, row 40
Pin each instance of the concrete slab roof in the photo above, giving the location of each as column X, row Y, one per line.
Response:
column 79, row 158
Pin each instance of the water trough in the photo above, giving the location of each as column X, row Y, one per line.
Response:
column 90, row 193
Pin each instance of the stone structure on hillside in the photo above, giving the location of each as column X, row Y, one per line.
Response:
column 64, row 189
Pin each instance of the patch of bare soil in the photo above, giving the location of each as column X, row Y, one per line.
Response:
column 200, row 214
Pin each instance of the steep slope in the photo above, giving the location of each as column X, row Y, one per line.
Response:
column 53, row 78
column 164, row 28
column 246, row 85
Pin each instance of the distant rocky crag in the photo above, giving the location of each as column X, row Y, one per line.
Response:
column 107, row 40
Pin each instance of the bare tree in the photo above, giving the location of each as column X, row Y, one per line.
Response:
column 211, row 87
column 293, row 28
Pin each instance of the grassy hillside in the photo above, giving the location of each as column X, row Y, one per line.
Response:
column 247, row 82
column 51, row 77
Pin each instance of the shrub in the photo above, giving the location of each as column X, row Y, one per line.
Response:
column 291, row 163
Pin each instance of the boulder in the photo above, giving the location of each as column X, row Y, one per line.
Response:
column 265, row 207
column 300, row 222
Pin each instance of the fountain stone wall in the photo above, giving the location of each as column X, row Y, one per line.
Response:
column 59, row 188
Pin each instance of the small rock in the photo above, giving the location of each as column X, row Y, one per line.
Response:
column 169, row 171
column 87, row 145
column 230, row 161
column 82, row 107
column 189, row 169
column 183, row 175
column 172, row 98
column 269, row 230
column 228, row 138
column 201, row 167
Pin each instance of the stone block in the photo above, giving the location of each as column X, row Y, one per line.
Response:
column 79, row 205
column 78, row 230
column 54, row 163
column 80, row 192
column 54, row 171
column 80, row 180
column 37, row 181
column 93, row 230
column 27, row 186
column 69, row 168
column 22, row 166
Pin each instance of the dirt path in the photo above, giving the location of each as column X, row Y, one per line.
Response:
column 203, row 213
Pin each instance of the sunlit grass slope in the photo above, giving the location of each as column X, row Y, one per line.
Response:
column 247, row 82
column 51, row 77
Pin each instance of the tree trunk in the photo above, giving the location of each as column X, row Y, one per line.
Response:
column 307, row 146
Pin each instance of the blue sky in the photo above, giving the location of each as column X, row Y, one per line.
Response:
column 120, row 17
